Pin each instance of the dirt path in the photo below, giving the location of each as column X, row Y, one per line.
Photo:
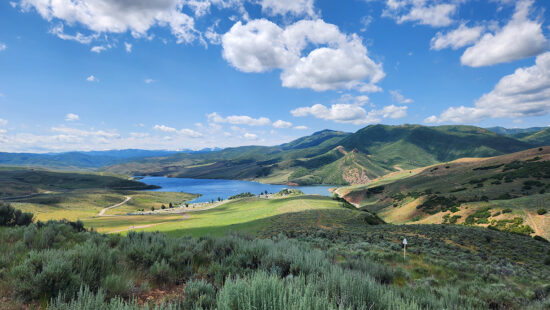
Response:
column 398, row 168
column 535, row 227
column 102, row 212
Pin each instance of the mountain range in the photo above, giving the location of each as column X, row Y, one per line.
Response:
column 335, row 157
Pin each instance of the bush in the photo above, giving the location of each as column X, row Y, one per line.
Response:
column 199, row 294
column 117, row 285
column 541, row 211
column 12, row 217
column 45, row 273
column 162, row 272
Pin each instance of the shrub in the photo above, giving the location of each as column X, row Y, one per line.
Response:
column 541, row 211
column 45, row 273
column 199, row 294
column 13, row 217
column 117, row 285
column 162, row 272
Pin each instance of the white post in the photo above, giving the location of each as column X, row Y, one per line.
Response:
column 405, row 248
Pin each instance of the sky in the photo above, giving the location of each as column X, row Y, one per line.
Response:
column 192, row 74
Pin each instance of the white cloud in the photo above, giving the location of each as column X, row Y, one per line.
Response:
column 455, row 39
column 399, row 98
column 58, row 30
column 282, row 124
column 184, row 132
column 350, row 113
column 3, row 122
column 238, row 120
column 250, row 136
column 518, row 39
column 164, row 128
column 333, row 60
column 3, row 47
column 391, row 111
column 114, row 16
column 71, row 117
column 294, row 7
column 99, row 48
column 431, row 13
column 128, row 47
column 149, row 81
column 92, row 78
column 341, row 113
column 524, row 93
column 301, row 127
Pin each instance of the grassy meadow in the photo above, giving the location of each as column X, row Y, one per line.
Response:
column 245, row 215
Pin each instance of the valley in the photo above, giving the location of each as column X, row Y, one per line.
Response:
column 485, row 202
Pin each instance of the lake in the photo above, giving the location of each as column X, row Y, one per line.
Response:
column 212, row 189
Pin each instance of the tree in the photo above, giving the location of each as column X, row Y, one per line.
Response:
column 152, row 208
column 163, row 207
column 10, row 216
column 170, row 205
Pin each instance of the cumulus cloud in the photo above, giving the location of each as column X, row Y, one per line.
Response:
column 350, row 113
column 71, row 117
column 92, row 78
column 300, row 127
column 250, row 136
column 2, row 46
column 282, row 124
column 238, row 120
column 455, row 39
column 524, row 93
column 294, row 7
column 431, row 13
column 520, row 38
column 128, row 47
column 114, row 16
column 184, row 132
column 149, row 81
column 3, row 122
column 310, row 53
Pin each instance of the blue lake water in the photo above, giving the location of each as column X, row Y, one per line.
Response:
column 212, row 189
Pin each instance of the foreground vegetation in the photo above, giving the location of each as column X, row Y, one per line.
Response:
column 59, row 265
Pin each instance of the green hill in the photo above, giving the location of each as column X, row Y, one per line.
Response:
column 505, row 192
column 28, row 181
column 322, row 157
column 539, row 138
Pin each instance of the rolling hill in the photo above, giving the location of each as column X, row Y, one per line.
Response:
column 77, row 160
column 333, row 157
column 508, row 192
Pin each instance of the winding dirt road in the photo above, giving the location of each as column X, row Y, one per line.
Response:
column 102, row 212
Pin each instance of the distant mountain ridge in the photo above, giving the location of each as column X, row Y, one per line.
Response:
column 84, row 159
column 334, row 157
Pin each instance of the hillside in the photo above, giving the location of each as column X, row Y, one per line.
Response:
column 332, row 157
column 15, row 182
column 504, row 192
column 541, row 137
column 77, row 160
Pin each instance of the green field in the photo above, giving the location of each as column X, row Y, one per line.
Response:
column 85, row 203
column 249, row 215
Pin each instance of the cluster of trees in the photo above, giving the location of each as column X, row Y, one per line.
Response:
column 9, row 216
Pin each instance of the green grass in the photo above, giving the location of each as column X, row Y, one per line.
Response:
column 85, row 203
column 250, row 215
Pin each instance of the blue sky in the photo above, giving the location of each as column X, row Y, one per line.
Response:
column 175, row 74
